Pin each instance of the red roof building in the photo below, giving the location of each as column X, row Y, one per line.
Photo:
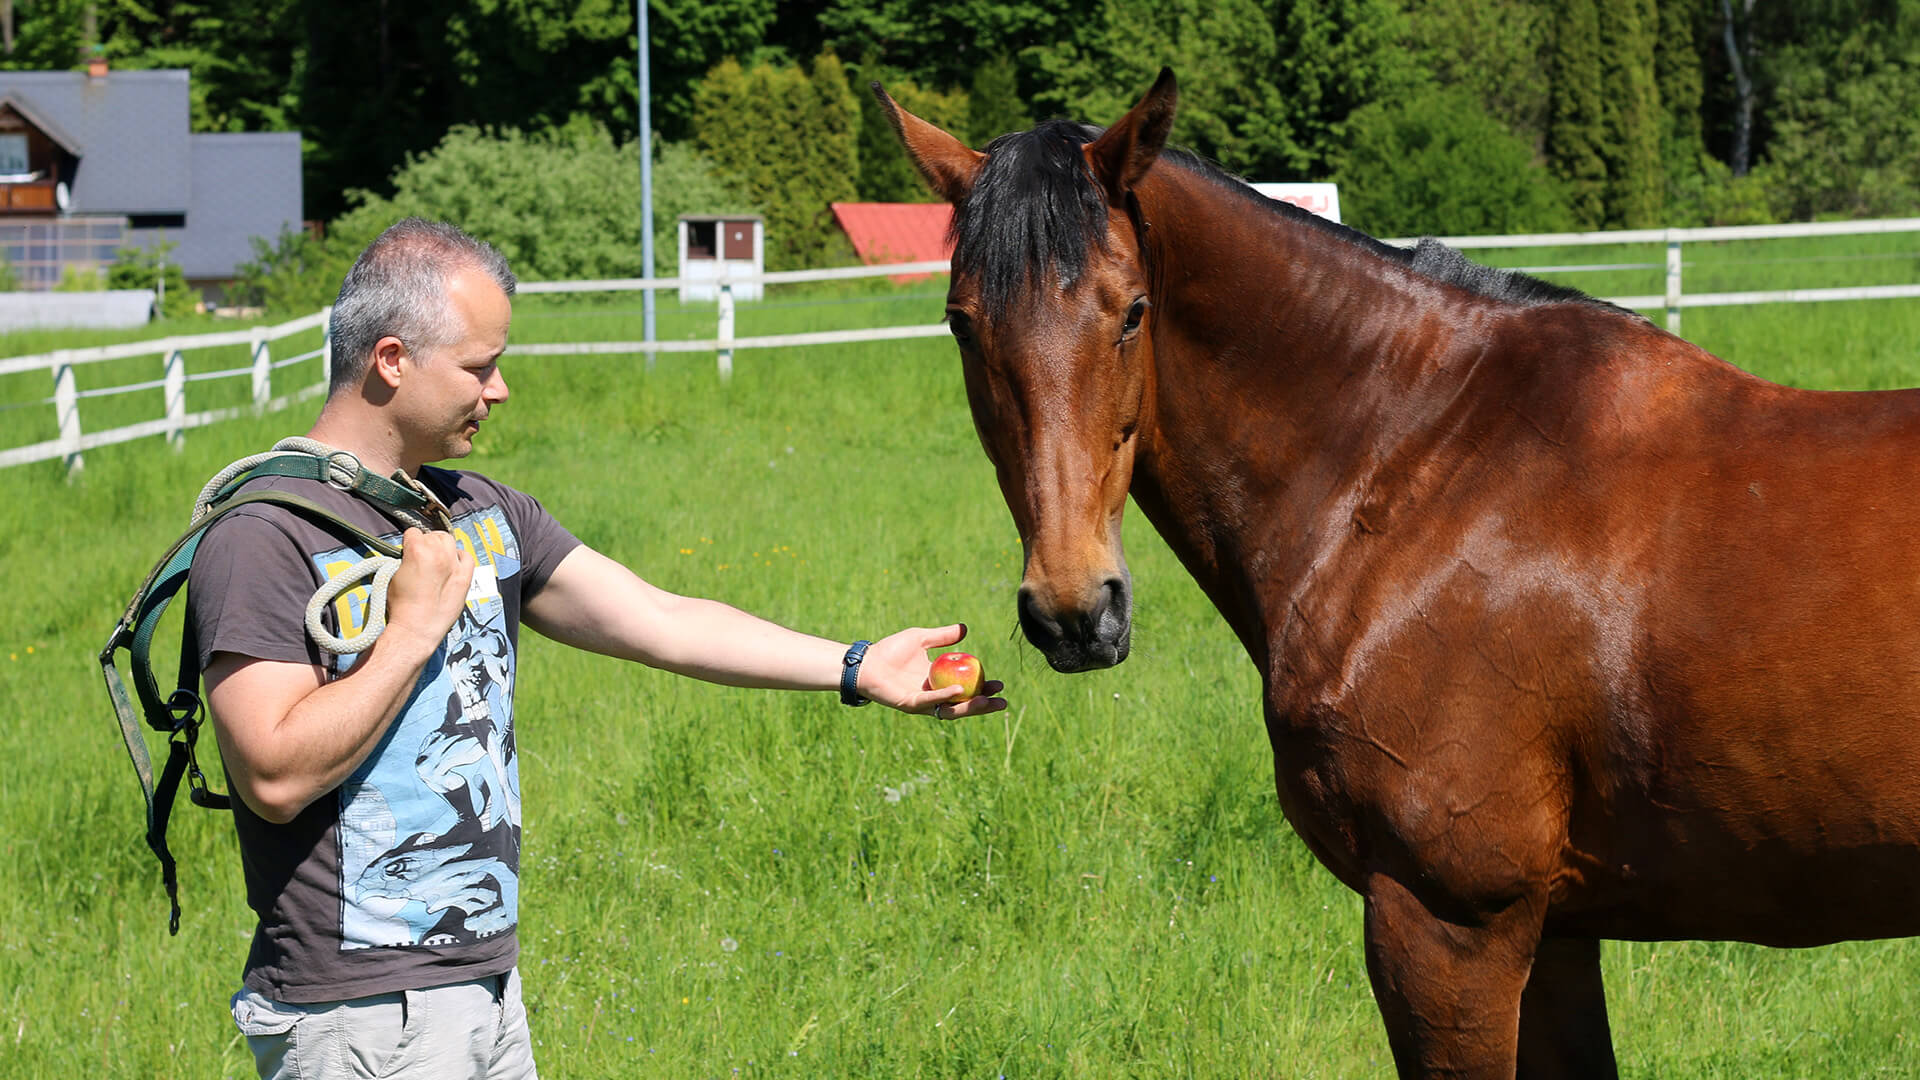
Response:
column 896, row 232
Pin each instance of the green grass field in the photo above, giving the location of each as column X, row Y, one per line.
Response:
column 1096, row 883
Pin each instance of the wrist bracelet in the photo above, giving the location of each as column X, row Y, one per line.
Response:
column 850, row 673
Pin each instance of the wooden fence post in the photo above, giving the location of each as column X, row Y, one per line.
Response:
column 175, row 393
column 726, row 329
column 1673, row 285
column 262, row 371
column 66, row 408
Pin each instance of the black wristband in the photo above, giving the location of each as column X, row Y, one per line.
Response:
column 850, row 673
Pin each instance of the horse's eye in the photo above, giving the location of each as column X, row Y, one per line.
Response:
column 962, row 327
column 1134, row 314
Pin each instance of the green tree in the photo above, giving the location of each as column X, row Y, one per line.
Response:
column 1265, row 90
column 1633, row 122
column 1495, row 50
column 1577, row 129
column 886, row 174
column 689, row 38
column 1846, row 138
column 994, row 106
column 789, row 138
column 1437, row 164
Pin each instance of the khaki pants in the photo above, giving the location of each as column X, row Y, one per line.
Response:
column 475, row 1030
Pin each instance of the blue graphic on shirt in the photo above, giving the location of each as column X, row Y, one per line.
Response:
column 430, row 822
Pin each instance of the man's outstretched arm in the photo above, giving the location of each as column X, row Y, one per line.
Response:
column 594, row 603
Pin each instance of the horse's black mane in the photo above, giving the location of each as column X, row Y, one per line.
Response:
column 1034, row 205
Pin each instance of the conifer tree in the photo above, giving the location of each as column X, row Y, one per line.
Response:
column 1634, row 121
column 1576, row 129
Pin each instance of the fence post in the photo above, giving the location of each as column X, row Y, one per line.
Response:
column 726, row 329
column 326, row 344
column 66, row 408
column 262, row 371
column 176, row 397
column 1673, row 285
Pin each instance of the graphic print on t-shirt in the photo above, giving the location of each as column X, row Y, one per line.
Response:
column 430, row 822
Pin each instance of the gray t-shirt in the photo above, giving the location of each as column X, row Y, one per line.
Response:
column 408, row 875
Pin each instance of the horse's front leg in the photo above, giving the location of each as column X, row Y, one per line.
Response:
column 1449, row 991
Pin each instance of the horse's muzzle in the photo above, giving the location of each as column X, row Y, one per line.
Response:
column 1097, row 637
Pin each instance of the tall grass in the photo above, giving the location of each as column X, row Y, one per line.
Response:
column 1096, row 883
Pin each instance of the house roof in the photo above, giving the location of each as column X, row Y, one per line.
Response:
column 142, row 116
column 13, row 100
column 244, row 185
column 896, row 232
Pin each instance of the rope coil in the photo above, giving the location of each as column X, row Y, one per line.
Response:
column 344, row 471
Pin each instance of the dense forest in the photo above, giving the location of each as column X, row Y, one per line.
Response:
column 1450, row 116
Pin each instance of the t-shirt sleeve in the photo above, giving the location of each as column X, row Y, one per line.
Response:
column 248, row 591
column 544, row 542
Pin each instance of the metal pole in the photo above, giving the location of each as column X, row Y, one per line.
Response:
column 646, row 174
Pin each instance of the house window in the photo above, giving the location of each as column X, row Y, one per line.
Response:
column 13, row 156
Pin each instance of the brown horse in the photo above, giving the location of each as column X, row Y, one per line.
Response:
column 1568, row 629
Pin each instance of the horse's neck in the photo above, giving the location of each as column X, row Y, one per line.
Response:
column 1285, row 359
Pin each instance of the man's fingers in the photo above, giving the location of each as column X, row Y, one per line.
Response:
column 940, row 637
column 979, row 706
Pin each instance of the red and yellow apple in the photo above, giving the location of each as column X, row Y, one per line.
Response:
column 957, row 669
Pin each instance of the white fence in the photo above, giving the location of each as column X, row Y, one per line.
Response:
column 72, row 442
column 1674, row 299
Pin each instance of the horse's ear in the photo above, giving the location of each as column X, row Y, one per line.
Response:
column 948, row 164
column 1121, row 156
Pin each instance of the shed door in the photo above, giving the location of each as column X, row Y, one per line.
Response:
column 738, row 241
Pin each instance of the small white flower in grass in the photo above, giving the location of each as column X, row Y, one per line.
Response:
column 727, row 944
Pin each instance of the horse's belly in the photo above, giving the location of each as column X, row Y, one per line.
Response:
column 1807, row 869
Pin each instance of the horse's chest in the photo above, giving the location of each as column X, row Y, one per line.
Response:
column 1426, row 731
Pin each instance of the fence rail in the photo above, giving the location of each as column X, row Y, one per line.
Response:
column 72, row 442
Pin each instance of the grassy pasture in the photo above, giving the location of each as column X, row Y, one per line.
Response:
column 1096, row 883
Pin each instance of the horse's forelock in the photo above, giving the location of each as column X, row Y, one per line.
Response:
column 1034, row 207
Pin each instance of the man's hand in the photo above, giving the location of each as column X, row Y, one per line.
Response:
column 895, row 673
column 430, row 588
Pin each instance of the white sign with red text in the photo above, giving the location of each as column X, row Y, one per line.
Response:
column 1320, row 199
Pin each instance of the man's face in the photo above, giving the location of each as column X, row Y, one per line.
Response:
column 456, row 385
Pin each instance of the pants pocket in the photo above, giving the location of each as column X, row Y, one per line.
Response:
column 270, row 1028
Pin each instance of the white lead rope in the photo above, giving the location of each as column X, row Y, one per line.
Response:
column 381, row 569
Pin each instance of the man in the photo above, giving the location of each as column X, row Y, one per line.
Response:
column 378, row 795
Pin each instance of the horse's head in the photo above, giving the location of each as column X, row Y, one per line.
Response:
column 1049, row 306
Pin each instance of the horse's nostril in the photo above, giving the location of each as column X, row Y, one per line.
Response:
column 1040, row 629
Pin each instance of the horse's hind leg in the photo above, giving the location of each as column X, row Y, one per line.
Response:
column 1449, row 991
column 1563, row 1014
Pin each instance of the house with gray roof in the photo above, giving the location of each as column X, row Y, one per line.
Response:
column 93, row 161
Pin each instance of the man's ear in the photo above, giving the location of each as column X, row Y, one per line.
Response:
column 1124, row 153
column 389, row 355
column 948, row 164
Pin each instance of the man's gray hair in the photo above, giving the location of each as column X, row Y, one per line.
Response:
column 397, row 288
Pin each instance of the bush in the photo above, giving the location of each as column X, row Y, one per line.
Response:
column 1712, row 195
column 154, row 268
column 560, row 205
column 1846, row 138
column 1438, row 164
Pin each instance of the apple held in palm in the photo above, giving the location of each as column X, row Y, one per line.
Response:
column 957, row 669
